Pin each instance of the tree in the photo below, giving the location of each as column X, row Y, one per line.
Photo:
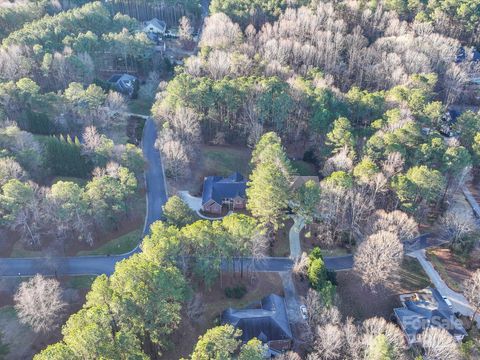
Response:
column 380, row 349
column 471, row 290
column 177, row 212
column 185, row 30
column 365, row 171
column 92, row 334
column 438, row 344
column 269, row 187
column 306, row 200
column 329, row 342
column 456, row 226
column 378, row 258
column 58, row 351
column 39, row 303
column 420, row 184
column 217, row 343
column 10, row 169
column 396, row 222
column 252, row 350
column 147, row 299
column 341, row 135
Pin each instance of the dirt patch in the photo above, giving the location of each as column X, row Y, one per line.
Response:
column 7, row 241
column 23, row 342
column 134, row 130
column 207, row 306
column 453, row 269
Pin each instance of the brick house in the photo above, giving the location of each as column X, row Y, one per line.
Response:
column 219, row 192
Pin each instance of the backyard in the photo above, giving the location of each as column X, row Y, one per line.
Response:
column 207, row 305
column 361, row 303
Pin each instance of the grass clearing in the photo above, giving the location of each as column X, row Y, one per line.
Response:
column 80, row 282
column 412, row 276
column 223, row 161
column 120, row 245
column 140, row 106
column 18, row 251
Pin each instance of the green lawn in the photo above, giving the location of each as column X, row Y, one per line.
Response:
column 120, row 245
column 80, row 282
column 412, row 276
column 303, row 168
column 19, row 252
column 222, row 161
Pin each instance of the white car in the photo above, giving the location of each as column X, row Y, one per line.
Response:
column 448, row 302
column 303, row 310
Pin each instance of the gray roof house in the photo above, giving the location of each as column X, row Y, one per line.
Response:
column 219, row 191
column 265, row 320
column 155, row 26
column 424, row 309
column 124, row 83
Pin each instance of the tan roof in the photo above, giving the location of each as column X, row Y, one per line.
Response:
column 300, row 180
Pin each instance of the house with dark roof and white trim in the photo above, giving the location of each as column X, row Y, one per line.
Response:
column 266, row 320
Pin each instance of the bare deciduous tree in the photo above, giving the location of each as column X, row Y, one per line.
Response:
column 329, row 343
column 39, row 303
column 379, row 326
column 396, row 222
column 10, row 169
column 378, row 258
column 341, row 161
column 471, row 290
column 438, row 344
column 456, row 224
column 220, row 32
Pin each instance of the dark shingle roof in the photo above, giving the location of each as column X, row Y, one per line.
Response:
column 266, row 320
column 217, row 188
column 417, row 315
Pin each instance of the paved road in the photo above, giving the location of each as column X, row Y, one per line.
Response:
column 154, row 176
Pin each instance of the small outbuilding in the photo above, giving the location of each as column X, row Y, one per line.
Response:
column 155, row 26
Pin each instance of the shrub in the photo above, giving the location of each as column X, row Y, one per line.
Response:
column 236, row 292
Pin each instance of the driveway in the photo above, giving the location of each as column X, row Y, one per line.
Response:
column 195, row 203
column 459, row 302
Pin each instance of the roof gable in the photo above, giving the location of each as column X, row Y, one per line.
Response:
column 217, row 188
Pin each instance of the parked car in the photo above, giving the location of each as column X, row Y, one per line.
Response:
column 303, row 310
column 448, row 302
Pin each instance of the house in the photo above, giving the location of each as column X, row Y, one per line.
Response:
column 219, row 191
column 124, row 83
column 424, row 309
column 265, row 320
column 155, row 26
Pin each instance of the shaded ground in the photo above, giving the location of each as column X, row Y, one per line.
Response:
column 452, row 268
column 205, row 309
column 281, row 245
column 361, row 303
column 23, row 342
column 312, row 237
column 105, row 242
